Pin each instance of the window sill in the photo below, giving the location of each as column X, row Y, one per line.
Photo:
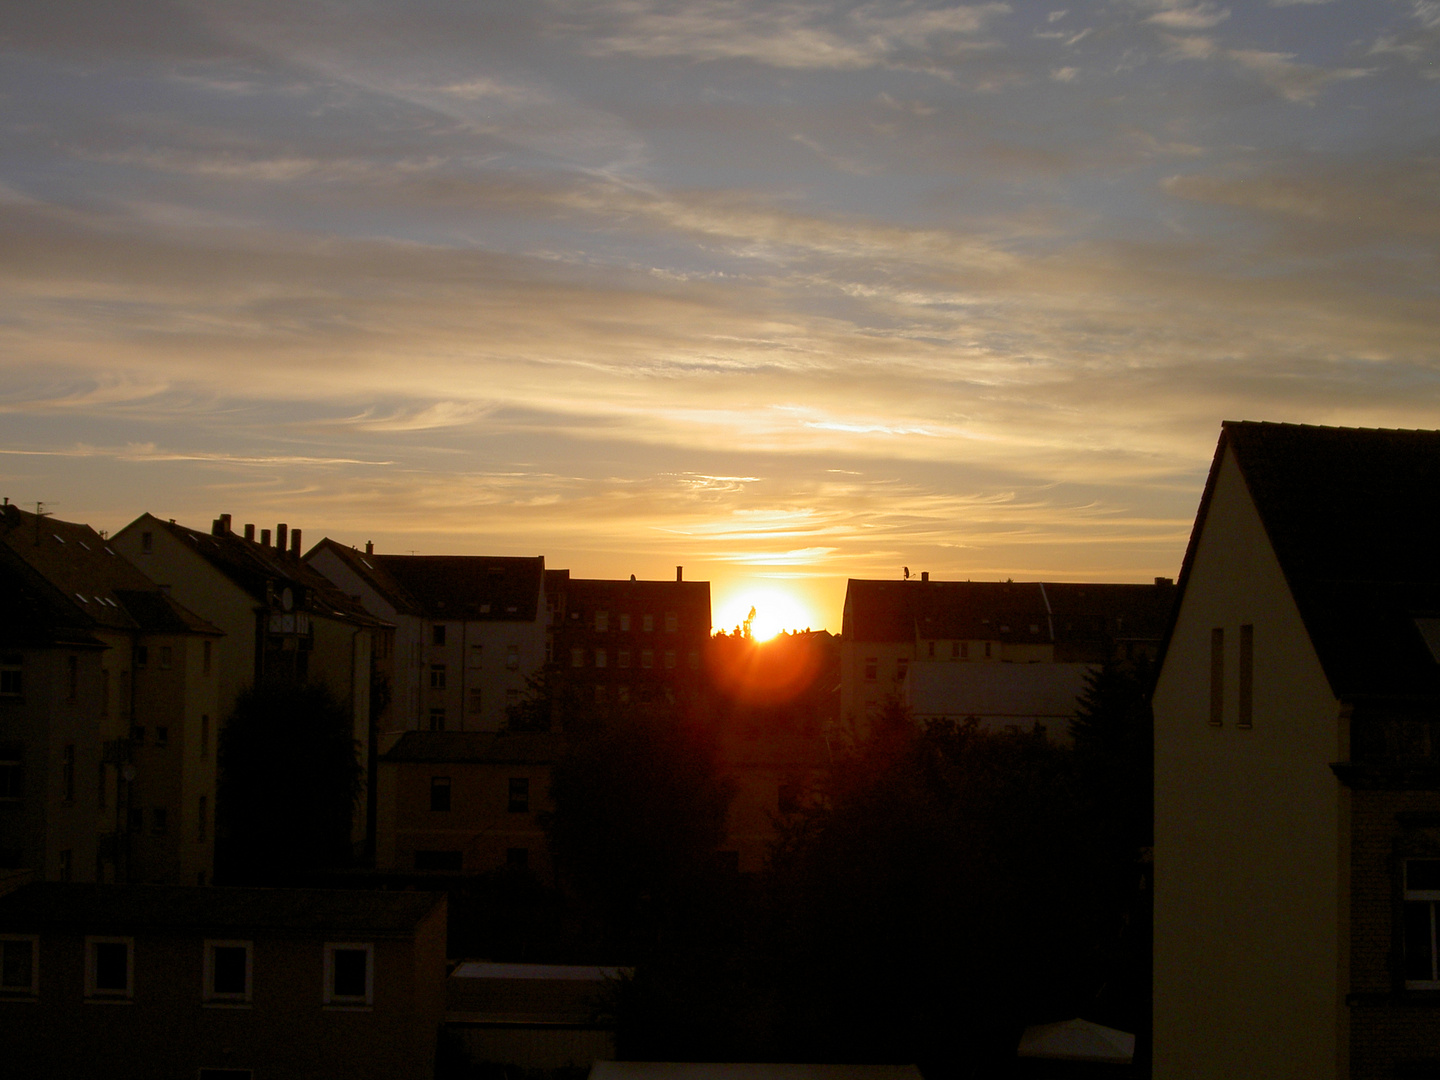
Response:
column 348, row 1008
column 109, row 1001
column 226, row 1005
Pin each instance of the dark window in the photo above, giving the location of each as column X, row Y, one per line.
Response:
column 204, row 734
column 517, row 858
column 437, row 719
column 437, row 634
column 349, row 973
column 142, row 655
column 162, row 735
column 440, row 793
column 166, row 656
column 11, row 683
column 137, row 734
column 437, row 860
column 672, row 622
column 437, row 676
column 67, row 773
column 789, row 798
column 147, row 542
column 10, row 775
column 902, row 665
column 519, row 795
column 160, row 821
column 227, row 970
column 1217, row 676
column 17, row 965
column 477, row 700
column 1422, row 894
column 110, row 967
column 872, row 668
column 202, row 829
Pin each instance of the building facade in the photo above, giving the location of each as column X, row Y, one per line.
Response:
column 1297, row 787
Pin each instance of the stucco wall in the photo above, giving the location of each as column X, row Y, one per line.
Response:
column 1251, row 862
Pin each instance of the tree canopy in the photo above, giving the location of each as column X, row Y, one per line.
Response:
column 290, row 778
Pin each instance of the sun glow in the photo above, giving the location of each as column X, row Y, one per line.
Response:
column 775, row 610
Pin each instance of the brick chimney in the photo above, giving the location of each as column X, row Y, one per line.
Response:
column 369, row 547
column 250, row 532
column 281, row 540
column 679, row 573
column 295, row 543
column 265, row 538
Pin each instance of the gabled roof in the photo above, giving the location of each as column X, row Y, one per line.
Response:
column 1019, row 612
column 255, row 568
column 187, row 908
column 104, row 589
column 35, row 614
column 1353, row 515
column 475, row 747
column 472, row 587
column 370, row 569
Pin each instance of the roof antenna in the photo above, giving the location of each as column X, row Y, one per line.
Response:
column 40, row 512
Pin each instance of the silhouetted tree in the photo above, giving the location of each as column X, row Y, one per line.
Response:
column 639, row 810
column 290, row 778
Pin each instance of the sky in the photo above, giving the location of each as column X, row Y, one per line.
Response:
column 784, row 293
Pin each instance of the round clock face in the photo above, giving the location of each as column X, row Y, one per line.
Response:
column 287, row 599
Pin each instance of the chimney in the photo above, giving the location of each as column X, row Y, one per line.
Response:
column 924, row 575
column 1164, row 581
column 369, row 547
column 679, row 573
column 225, row 523
column 295, row 543
column 265, row 538
column 250, row 532
column 217, row 527
column 280, row 537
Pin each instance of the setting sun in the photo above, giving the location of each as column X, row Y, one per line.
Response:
column 775, row 610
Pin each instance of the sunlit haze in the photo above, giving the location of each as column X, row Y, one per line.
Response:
column 782, row 293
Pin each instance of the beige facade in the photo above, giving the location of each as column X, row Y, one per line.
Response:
column 1251, row 827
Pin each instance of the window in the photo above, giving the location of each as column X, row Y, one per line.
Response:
column 517, row 858
column 109, row 968
column 136, row 819
column 672, row 622
column 622, row 695
column 989, row 649
column 11, row 683
column 204, row 734
column 512, row 698
column 167, row 656
column 476, row 701
column 647, row 658
column 10, row 774
column 162, row 735
column 19, row 972
column 137, row 734
column 692, row 659
column 1217, row 676
column 142, row 655
column 439, row 860
column 624, row 624
column 477, row 655
column 512, row 656
column 622, row 658
column 577, row 657
column 67, row 862
column 437, row 676
column 1244, row 717
column 872, row 668
column 205, row 658
column 647, row 623
column 202, row 828
column 67, row 773
column 1422, row 894
column 902, row 665
column 348, row 974
column 147, row 543
column 964, row 653
column 159, row 821
column 440, row 793
column 931, row 646
column 600, row 658
column 602, row 621
column 669, row 659
column 437, row 719
column 601, row 694
column 227, row 971
column 437, row 634
column 519, row 795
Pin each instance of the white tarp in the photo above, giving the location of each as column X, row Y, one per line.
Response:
column 1077, row 1040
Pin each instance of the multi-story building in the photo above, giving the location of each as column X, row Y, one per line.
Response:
column 465, row 801
column 108, row 713
column 220, row 983
column 469, row 630
column 928, row 643
column 631, row 646
column 280, row 617
column 1297, row 764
